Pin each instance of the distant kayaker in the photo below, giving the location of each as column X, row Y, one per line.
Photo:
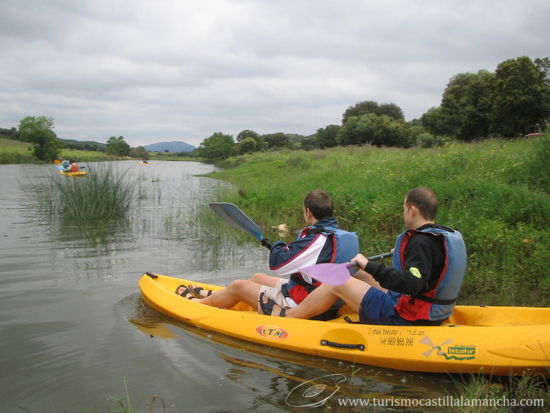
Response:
column 322, row 241
column 74, row 166
column 420, row 288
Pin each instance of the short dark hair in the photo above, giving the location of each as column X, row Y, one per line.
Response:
column 425, row 200
column 319, row 203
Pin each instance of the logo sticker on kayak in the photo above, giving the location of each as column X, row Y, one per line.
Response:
column 456, row 352
column 272, row 332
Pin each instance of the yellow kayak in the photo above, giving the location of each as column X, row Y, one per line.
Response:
column 79, row 173
column 476, row 339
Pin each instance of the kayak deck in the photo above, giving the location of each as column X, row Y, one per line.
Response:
column 476, row 339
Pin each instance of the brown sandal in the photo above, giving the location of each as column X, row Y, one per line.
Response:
column 195, row 291
column 185, row 293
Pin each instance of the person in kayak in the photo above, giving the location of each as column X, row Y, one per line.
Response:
column 420, row 288
column 322, row 241
column 74, row 166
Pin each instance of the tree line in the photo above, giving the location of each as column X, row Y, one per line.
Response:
column 511, row 102
column 39, row 132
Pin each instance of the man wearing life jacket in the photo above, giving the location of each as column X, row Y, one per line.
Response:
column 420, row 288
column 322, row 241
column 74, row 166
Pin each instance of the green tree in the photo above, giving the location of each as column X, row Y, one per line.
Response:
column 391, row 110
column 369, row 106
column 349, row 133
column 466, row 106
column 39, row 131
column 117, row 146
column 388, row 131
column 277, row 140
column 261, row 144
column 247, row 145
column 247, row 133
column 521, row 97
column 376, row 130
column 216, row 147
column 326, row 137
column 309, row 143
column 140, row 152
column 434, row 121
column 361, row 108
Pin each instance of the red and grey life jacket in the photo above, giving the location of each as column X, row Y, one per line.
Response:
column 438, row 303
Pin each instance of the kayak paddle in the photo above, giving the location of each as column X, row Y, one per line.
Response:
column 231, row 214
column 336, row 274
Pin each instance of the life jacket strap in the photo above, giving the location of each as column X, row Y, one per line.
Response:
column 317, row 230
column 434, row 300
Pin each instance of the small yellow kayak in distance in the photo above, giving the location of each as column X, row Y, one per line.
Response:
column 74, row 174
column 476, row 339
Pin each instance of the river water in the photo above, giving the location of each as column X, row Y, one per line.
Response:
column 75, row 335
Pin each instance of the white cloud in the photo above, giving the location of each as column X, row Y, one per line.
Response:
column 157, row 70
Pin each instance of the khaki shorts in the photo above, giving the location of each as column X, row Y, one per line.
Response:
column 274, row 293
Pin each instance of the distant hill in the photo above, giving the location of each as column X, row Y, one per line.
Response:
column 177, row 146
column 82, row 145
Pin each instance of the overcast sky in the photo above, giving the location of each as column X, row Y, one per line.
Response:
column 181, row 70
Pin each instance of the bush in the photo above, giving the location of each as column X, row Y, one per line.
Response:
column 427, row 140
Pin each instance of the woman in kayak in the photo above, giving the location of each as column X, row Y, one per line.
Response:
column 322, row 241
column 420, row 288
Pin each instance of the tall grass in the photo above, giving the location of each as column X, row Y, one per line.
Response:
column 103, row 195
column 491, row 191
column 503, row 394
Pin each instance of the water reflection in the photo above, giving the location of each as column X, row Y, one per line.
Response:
column 288, row 381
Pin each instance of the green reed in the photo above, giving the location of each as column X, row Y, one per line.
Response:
column 499, row 394
column 103, row 195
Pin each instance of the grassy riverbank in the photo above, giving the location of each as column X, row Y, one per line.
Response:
column 495, row 192
column 12, row 151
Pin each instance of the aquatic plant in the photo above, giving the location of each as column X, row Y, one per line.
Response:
column 103, row 195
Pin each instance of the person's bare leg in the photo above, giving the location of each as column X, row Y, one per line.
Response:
column 264, row 279
column 351, row 292
column 324, row 296
column 317, row 302
column 238, row 290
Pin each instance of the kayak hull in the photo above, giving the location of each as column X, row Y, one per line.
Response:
column 476, row 339
column 73, row 174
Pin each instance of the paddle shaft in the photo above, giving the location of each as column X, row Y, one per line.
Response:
column 380, row 256
column 231, row 214
column 236, row 218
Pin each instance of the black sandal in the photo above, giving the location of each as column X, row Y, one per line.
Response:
column 196, row 291
column 267, row 307
column 186, row 293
